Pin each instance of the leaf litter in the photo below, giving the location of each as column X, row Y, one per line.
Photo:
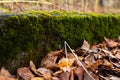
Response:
column 88, row 62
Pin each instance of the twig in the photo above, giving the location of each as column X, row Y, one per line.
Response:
column 66, row 53
column 78, row 61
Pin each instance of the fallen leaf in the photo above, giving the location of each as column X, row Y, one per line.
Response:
column 108, row 53
column 72, row 75
column 79, row 72
column 5, row 73
column 111, row 43
column 51, row 58
column 25, row 73
column 95, row 65
column 85, row 46
column 33, row 68
column 45, row 72
column 117, row 55
column 107, row 64
column 64, row 76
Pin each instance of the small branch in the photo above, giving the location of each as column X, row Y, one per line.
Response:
column 79, row 62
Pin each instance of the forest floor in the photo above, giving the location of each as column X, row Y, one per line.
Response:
column 88, row 62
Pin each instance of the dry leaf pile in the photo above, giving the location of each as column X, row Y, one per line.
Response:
column 88, row 62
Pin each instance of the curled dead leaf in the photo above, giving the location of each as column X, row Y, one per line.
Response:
column 33, row 68
column 45, row 72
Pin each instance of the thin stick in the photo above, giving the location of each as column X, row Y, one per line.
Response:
column 79, row 62
column 66, row 52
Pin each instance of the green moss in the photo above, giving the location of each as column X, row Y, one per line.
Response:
column 37, row 33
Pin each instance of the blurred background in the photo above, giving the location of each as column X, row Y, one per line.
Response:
column 97, row 6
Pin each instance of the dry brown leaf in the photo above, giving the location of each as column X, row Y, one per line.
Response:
column 25, row 73
column 93, row 47
column 64, row 76
column 95, row 76
column 107, row 63
column 118, row 69
column 95, row 65
column 33, row 68
column 49, row 62
column 50, row 59
column 111, row 43
column 85, row 46
column 117, row 55
column 108, row 53
column 79, row 72
column 89, row 60
column 5, row 72
column 80, row 58
column 70, row 55
column 5, row 75
column 45, row 72
column 72, row 75
column 102, row 45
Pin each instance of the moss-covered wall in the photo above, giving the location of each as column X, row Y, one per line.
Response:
column 29, row 36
